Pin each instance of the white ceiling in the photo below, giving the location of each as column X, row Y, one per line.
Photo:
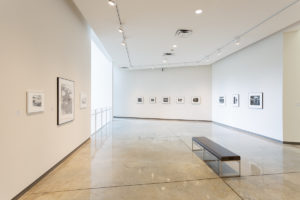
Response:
column 150, row 27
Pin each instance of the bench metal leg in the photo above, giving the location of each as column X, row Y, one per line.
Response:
column 220, row 169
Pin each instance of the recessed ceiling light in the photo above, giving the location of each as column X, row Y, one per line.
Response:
column 198, row 12
column 174, row 46
column 219, row 52
column 111, row 3
column 123, row 43
column 164, row 61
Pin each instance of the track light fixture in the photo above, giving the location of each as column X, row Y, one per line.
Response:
column 112, row 3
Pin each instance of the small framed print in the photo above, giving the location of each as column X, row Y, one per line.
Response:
column 236, row 100
column 222, row 100
column 83, row 101
column 165, row 100
column 180, row 100
column 196, row 100
column 152, row 100
column 65, row 100
column 256, row 100
column 35, row 102
column 140, row 100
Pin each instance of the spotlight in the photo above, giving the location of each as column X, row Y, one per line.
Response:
column 121, row 30
column 111, row 2
column 237, row 41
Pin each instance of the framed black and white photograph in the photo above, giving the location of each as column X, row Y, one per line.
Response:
column 35, row 102
column 180, row 100
column 222, row 100
column 196, row 100
column 83, row 101
column 152, row 100
column 236, row 100
column 65, row 100
column 256, row 100
column 140, row 100
column 165, row 100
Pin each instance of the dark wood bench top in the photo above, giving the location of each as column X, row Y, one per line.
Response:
column 217, row 150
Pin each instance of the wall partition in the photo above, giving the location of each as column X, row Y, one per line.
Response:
column 101, row 86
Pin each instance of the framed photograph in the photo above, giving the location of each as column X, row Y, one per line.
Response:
column 83, row 101
column 222, row 100
column 196, row 100
column 140, row 100
column 35, row 102
column 180, row 100
column 65, row 100
column 165, row 100
column 152, row 100
column 256, row 100
column 236, row 100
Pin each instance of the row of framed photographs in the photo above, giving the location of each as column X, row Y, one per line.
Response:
column 65, row 101
column 196, row 100
column 255, row 100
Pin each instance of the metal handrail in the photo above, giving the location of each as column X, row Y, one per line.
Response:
column 101, row 111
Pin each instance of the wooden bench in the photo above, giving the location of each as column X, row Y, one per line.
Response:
column 222, row 154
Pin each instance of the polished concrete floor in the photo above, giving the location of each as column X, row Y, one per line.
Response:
column 152, row 159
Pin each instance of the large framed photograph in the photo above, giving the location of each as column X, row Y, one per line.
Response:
column 35, row 101
column 152, row 100
column 256, row 100
column 222, row 100
column 196, row 100
column 180, row 100
column 140, row 100
column 65, row 101
column 83, row 101
column 236, row 100
column 165, row 100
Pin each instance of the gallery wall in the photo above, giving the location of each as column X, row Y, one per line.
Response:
column 257, row 68
column 173, row 82
column 291, row 83
column 40, row 41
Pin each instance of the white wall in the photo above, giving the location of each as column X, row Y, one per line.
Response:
column 187, row 82
column 40, row 40
column 291, row 84
column 257, row 68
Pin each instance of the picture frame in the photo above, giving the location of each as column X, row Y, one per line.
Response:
column 35, row 101
column 180, row 100
column 140, row 100
column 152, row 100
column 222, row 100
column 83, row 101
column 165, row 100
column 236, row 100
column 256, row 100
column 196, row 100
column 65, row 100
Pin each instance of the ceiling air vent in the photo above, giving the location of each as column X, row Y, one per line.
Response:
column 183, row 33
column 124, row 67
column 168, row 54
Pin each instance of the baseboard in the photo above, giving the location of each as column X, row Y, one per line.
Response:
column 147, row 118
column 47, row 172
column 248, row 132
column 293, row 143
